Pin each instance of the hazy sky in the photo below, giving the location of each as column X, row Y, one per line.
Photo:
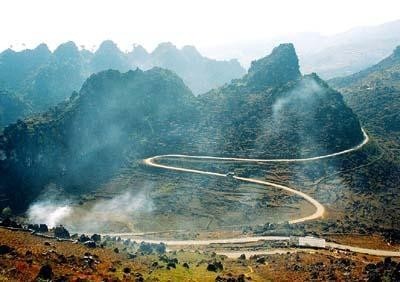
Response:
column 202, row 23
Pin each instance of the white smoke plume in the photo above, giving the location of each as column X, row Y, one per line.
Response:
column 92, row 218
column 48, row 213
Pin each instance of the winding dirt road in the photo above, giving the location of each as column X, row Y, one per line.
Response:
column 319, row 212
column 319, row 208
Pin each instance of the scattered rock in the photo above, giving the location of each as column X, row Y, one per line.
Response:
column 83, row 238
column 96, row 237
column 216, row 266
column 75, row 236
column 186, row 265
column 45, row 273
column 34, row 227
column 4, row 249
column 127, row 270
column 43, row 228
column 171, row 265
column 131, row 256
column 61, row 232
column 261, row 260
column 61, row 279
column 90, row 244
column 386, row 270
column 10, row 223
column 62, row 258
column 139, row 277
column 230, row 278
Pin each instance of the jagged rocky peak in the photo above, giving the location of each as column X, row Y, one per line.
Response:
column 139, row 54
column 164, row 47
column 280, row 67
column 191, row 51
column 108, row 46
column 42, row 48
column 139, row 49
column 66, row 50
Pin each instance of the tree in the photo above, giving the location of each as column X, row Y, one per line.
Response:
column 7, row 212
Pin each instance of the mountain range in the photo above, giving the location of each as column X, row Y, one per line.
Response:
column 41, row 78
column 272, row 111
column 330, row 56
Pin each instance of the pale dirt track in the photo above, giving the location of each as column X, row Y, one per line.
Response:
column 319, row 208
column 319, row 212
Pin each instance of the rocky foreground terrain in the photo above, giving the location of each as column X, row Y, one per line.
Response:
column 37, row 255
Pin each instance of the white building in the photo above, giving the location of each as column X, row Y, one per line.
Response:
column 311, row 242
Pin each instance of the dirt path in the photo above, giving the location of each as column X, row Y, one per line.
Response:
column 319, row 212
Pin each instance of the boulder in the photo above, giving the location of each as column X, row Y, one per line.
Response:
column 96, row 237
column 61, row 232
column 83, row 238
column 90, row 244
column 43, row 228
column 4, row 249
column 127, row 270
column 45, row 273
column 216, row 266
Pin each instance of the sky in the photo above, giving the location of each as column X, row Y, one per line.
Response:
column 205, row 23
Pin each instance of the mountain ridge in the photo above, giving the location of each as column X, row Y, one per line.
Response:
column 374, row 94
column 121, row 117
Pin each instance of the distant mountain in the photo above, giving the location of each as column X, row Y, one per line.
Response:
column 116, row 118
column 17, row 68
column 108, row 56
column 374, row 94
column 54, row 82
column 330, row 56
column 199, row 73
column 43, row 79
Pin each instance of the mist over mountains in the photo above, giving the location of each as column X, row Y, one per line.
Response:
column 330, row 56
column 117, row 118
column 41, row 79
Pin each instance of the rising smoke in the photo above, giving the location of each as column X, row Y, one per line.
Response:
column 292, row 120
column 48, row 213
column 95, row 218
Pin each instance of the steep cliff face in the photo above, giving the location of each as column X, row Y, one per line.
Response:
column 280, row 67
